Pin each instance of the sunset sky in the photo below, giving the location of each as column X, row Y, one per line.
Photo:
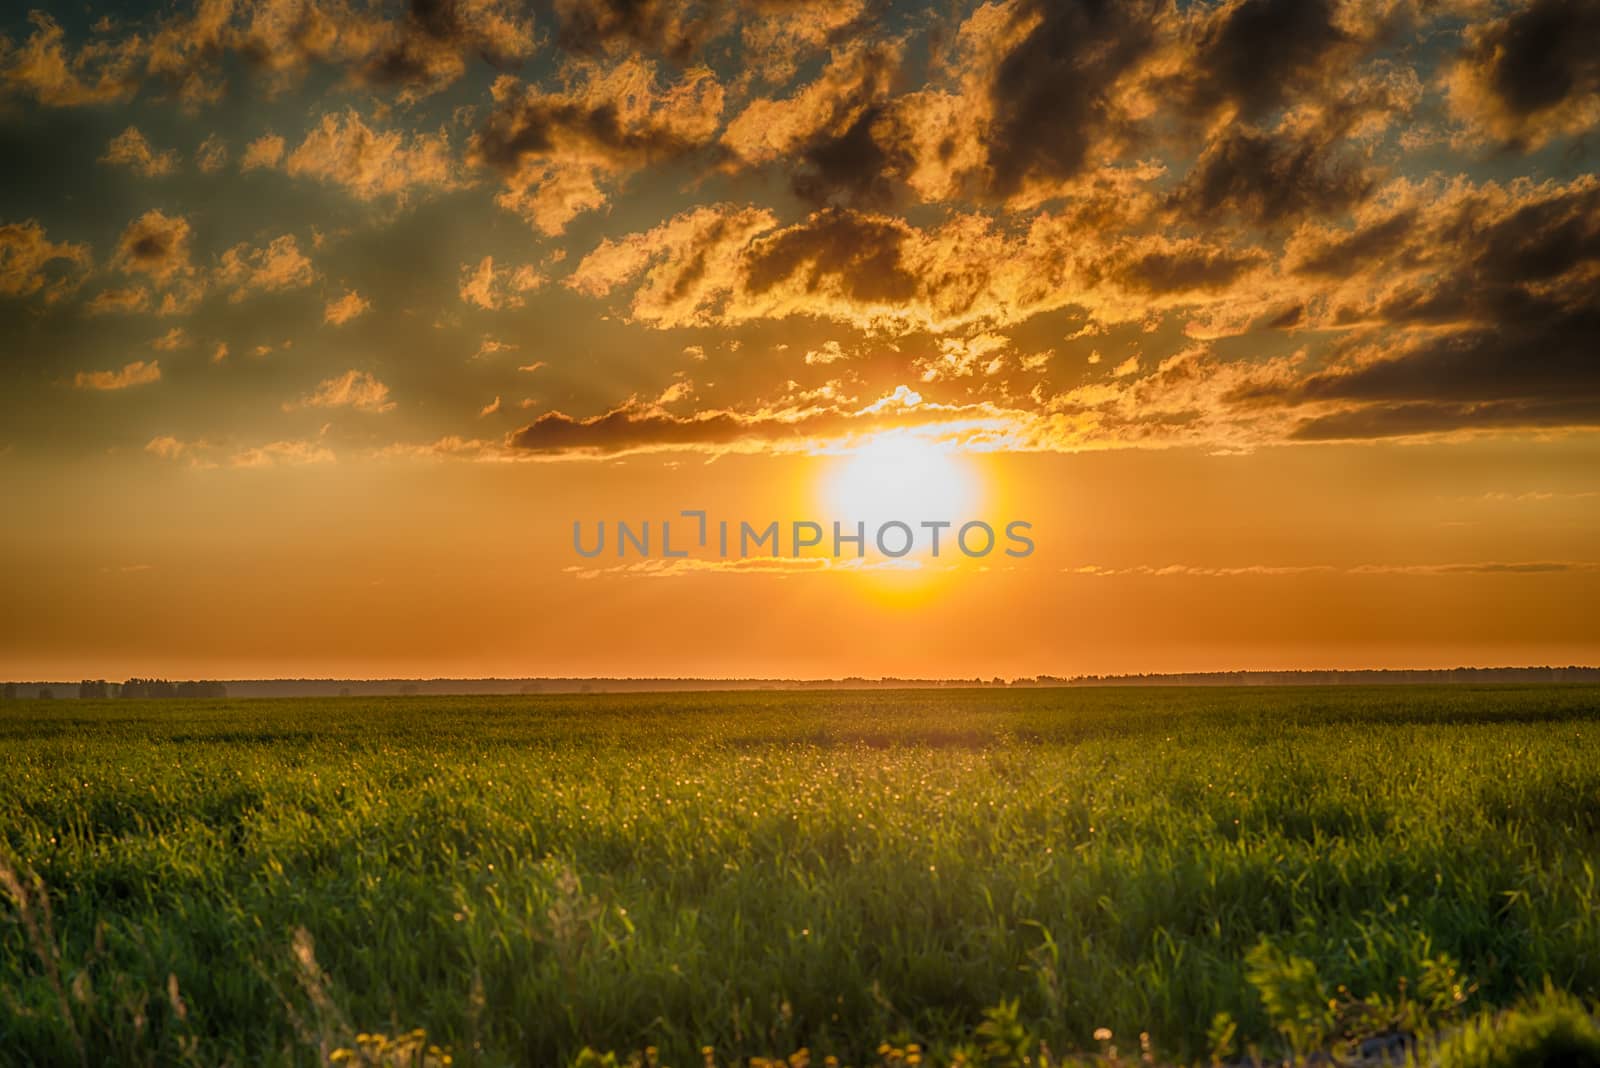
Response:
column 323, row 321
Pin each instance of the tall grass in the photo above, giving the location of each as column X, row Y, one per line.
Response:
column 1220, row 870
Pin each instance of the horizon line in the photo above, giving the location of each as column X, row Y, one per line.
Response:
column 1042, row 679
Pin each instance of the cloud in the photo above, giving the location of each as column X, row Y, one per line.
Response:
column 418, row 50
column 490, row 408
column 1424, row 418
column 212, row 155
column 1481, row 314
column 1270, row 180
column 964, row 357
column 725, row 264
column 449, row 447
column 155, row 244
column 184, row 52
column 43, row 68
column 1314, row 162
column 824, row 133
column 1249, row 58
column 490, row 288
column 689, row 264
column 353, row 389
column 427, row 50
column 262, row 154
column 30, row 263
column 828, row 352
column 168, row 447
column 1158, row 265
column 1054, row 103
column 1532, row 75
column 130, row 149
column 124, row 299
column 776, row 38
column 345, row 308
column 558, row 153
column 278, row 266
column 173, row 340
column 490, row 346
column 1258, row 212
column 664, row 27
column 209, row 454
column 369, row 164
column 1532, row 567
column 275, row 453
column 647, row 426
column 137, row 373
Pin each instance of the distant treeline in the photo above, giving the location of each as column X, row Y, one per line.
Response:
column 91, row 688
column 437, row 687
column 1364, row 677
column 157, row 688
column 406, row 687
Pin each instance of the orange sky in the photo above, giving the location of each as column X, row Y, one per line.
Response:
column 1328, row 556
column 1275, row 318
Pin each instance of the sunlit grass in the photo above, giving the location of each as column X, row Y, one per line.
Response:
column 521, row 878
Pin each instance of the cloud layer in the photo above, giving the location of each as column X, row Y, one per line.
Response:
column 720, row 226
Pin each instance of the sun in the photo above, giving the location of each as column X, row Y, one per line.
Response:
column 902, row 475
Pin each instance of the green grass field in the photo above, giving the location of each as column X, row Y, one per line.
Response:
column 1223, row 870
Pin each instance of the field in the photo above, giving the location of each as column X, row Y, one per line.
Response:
column 977, row 873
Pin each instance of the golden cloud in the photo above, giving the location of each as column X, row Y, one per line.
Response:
column 137, row 373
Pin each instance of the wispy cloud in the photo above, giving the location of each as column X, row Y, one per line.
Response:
column 353, row 389
column 137, row 373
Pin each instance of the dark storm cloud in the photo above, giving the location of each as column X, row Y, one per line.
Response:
column 1053, row 94
column 857, row 157
column 1257, row 54
column 1515, row 264
column 1184, row 268
column 662, row 27
column 534, row 124
column 530, row 128
column 1502, row 290
column 625, row 429
column 862, row 253
column 681, row 30
column 1351, row 253
column 854, row 168
column 1409, row 420
column 430, row 44
column 1271, row 179
column 1544, row 360
column 632, row 428
column 1311, row 167
column 1532, row 74
column 1543, row 240
column 1544, row 54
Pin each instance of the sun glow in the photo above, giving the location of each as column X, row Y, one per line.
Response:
column 902, row 475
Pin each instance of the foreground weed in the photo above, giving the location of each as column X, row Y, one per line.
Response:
column 1551, row 1030
column 92, row 1013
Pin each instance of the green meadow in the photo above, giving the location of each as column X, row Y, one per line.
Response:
column 993, row 876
